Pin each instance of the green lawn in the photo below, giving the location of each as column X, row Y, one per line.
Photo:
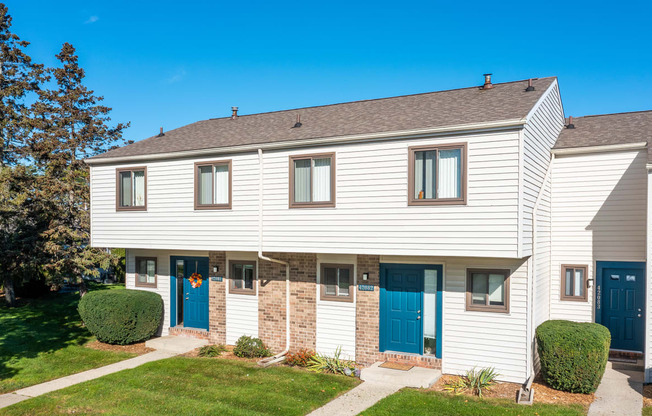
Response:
column 647, row 411
column 193, row 386
column 416, row 402
column 43, row 339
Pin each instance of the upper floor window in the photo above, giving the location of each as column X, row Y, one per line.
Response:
column 243, row 277
column 146, row 274
column 213, row 185
column 437, row 175
column 487, row 290
column 131, row 189
column 573, row 283
column 312, row 180
column 337, row 282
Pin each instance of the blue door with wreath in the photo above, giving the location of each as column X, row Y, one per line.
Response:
column 189, row 292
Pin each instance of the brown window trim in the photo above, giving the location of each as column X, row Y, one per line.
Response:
column 322, row 286
column 487, row 308
column 118, row 207
column 319, row 204
column 140, row 284
column 232, row 289
column 439, row 201
column 228, row 205
column 584, row 298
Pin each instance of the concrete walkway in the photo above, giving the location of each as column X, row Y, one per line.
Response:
column 378, row 384
column 620, row 391
column 166, row 347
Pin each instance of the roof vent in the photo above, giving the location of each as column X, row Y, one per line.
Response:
column 487, row 82
column 161, row 134
column 530, row 87
column 234, row 113
column 298, row 123
column 570, row 124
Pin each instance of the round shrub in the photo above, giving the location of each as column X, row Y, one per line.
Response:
column 250, row 347
column 121, row 316
column 573, row 355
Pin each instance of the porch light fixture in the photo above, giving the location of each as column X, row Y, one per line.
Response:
column 215, row 269
column 365, row 276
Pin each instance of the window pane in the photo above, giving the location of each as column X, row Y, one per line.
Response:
column 579, row 282
column 141, row 269
column 302, row 180
column 139, row 188
column 125, row 189
column 205, row 184
column 569, row 283
column 151, row 271
column 248, row 276
column 222, row 184
column 321, row 187
column 479, row 288
column 344, row 282
column 237, row 276
column 330, row 280
column 429, row 308
column 496, row 289
column 179, row 269
column 450, row 172
column 424, row 174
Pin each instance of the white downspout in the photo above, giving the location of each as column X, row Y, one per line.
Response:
column 535, row 209
column 278, row 357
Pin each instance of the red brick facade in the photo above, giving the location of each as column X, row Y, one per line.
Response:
column 367, row 307
column 217, row 299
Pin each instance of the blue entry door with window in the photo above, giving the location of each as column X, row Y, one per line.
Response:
column 620, row 298
column 406, row 291
column 189, row 305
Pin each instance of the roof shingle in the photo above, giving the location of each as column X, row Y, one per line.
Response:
column 505, row 101
column 607, row 129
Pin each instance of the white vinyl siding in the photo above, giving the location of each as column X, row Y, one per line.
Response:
column 598, row 214
column 372, row 215
column 540, row 133
column 241, row 310
column 335, row 320
column 480, row 339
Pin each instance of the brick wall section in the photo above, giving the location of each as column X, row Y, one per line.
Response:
column 217, row 299
column 271, row 301
column 410, row 359
column 368, row 306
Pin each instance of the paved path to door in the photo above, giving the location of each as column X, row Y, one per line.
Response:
column 378, row 384
column 620, row 391
column 166, row 347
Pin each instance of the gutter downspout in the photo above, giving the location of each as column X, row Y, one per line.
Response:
column 278, row 357
column 535, row 210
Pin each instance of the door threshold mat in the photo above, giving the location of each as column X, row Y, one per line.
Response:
column 396, row 366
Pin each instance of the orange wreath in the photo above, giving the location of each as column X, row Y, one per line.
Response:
column 195, row 280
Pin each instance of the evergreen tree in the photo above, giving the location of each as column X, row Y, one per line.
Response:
column 70, row 125
column 20, row 221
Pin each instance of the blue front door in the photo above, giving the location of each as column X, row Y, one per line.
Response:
column 189, row 304
column 620, row 298
column 402, row 311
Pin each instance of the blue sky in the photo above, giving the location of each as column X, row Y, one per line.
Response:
column 169, row 63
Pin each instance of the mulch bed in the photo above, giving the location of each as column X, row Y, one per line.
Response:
column 647, row 395
column 228, row 355
column 138, row 348
column 542, row 392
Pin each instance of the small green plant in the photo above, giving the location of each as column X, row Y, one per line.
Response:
column 250, row 347
column 299, row 358
column 474, row 381
column 211, row 350
column 334, row 364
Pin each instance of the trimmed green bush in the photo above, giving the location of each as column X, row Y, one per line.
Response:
column 121, row 316
column 250, row 347
column 573, row 355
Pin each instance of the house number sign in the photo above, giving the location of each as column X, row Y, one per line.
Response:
column 598, row 296
column 216, row 278
column 366, row 288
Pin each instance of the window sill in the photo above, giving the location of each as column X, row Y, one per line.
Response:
column 131, row 208
column 573, row 299
column 342, row 299
column 428, row 202
column 147, row 285
column 248, row 292
column 212, row 207
column 312, row 205
column 486, row 309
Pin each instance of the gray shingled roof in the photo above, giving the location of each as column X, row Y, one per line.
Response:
column 505, row 101
column 607, row 129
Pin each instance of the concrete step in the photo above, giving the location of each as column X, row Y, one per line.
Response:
column 415, row 377
column 177, row 345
